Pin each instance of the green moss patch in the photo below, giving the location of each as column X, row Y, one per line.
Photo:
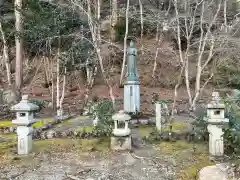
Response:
column 176, row 127
column 145, row 130
column 190, row 172
column 39, row 123
column 67, row 145
column 190, row 157
column 87, row 129
column 12, row 136
column 173, row 148
column 6, row 145
column 6, row 123
column 62, row 145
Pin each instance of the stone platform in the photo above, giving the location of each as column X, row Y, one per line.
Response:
column 121, row 143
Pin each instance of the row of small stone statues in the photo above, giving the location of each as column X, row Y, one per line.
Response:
column 121, row 139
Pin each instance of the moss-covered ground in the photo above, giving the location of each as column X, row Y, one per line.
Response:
column 87, row 129
column 145, row 130
column 79, row 146
column 176, row 126
column 39, row 123
column 190, row 157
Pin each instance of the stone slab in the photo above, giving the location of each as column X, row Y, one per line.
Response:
column 215, row 172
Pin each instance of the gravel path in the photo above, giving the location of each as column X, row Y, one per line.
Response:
column 75, row 122
column 92, row 166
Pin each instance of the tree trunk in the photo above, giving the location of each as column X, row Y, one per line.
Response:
column 114, row 20
column 125, row 45
column 53, row 90
column 159, row 40
column 6, row 56
column 63, row 93
column 1, row 2
column 19, row 45
column 58, row 81
column 141, row 17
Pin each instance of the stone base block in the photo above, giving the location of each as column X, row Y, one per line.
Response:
column 121, row 143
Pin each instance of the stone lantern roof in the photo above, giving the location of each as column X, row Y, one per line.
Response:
column 121, row 116
column 25, row 105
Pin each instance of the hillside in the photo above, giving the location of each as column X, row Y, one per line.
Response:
column 162, row 84
column 79, row 33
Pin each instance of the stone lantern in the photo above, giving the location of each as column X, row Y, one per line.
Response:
column 216, row 120
column 25, row 118
column 121, row 139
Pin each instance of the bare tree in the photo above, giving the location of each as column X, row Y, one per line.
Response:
column 86, row 8
column 210, row 42
column 19, row 44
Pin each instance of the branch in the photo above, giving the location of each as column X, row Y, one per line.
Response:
column 207, row 33
column 200, row 91
column 175, row 90
column 179, row 34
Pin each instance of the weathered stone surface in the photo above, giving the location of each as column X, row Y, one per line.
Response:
column 121, row 143
column 216, row 172
column 5, row 112
column 8, row 96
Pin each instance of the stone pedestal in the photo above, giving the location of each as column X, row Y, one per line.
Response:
column 24, row 140
column 131, row 96
column 121, row 143
column 216, row 147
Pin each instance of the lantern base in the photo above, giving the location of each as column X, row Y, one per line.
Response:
column 121, row 143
